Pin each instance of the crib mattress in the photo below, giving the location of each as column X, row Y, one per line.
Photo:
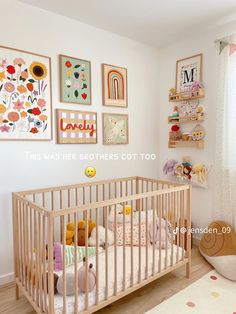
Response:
column 58, row 299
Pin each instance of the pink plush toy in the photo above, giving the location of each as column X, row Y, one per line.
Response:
column 160, row 239
column 82, row 277
column 169, row 167
column 58, row 255
column 195, row 87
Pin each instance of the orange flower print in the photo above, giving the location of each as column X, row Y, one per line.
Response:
column 23, row 114
column 13, row 116
column 43, row 117
column 34, row 130
column 21, row 89
column 2, row 76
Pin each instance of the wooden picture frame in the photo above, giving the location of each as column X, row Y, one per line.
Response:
column 114, row 86
column 118, row 134
column 73, row 129
column 25, row 95
column 188, row 70
column 75, row 80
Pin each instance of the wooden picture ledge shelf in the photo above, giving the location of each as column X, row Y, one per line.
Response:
column 184, row 119
column 181, row 143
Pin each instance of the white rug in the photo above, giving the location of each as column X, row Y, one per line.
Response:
column 212, row 294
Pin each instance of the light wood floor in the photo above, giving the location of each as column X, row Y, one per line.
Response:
column 136, row 303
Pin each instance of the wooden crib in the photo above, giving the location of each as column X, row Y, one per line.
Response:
column 40, row 218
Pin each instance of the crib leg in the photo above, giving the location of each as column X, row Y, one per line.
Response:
column 188, row 270
column 17, row 294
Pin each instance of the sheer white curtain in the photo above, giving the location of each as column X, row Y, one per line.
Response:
column 225, row 167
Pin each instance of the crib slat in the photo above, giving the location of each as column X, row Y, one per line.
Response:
column 177, row 225
column 147, row 237
column 115, row 246
column 182, row 222
column 40, row 252
column 153, row 234
column 76, row 260
column 36, row 264
column 44, row 266
column 97, row 256
column 86, row 259
column 106, row 253
column 32, row 278
column 166, row 228
column 124, row 257
column 64, row 262
column 172, row 226
column 160, row 210
column 132, row 237
column 139, row 245
column 50, row 264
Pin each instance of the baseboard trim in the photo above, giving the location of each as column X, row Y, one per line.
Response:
column 6, row 279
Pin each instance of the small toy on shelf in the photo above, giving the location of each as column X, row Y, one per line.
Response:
column 186, row 172
column 198, row 133
column 200, row 171
column 172, row 93
column 175, row 134
column 197, row 89
column 200, row 112
column 169, row 167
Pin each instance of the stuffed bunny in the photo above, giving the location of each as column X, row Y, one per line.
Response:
column 169, row 167
column 160, row 240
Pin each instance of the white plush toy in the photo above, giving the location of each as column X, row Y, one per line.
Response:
column 101, row 237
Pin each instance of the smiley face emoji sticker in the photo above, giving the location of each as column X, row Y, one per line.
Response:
column 90, row 172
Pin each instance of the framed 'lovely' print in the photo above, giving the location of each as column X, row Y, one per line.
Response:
column 75, row 80
column 76, row 127
column 188, row 70
column 114, row 86
column 25, row 95
column 115, row 129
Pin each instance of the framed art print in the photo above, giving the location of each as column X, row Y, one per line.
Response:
column 188, row 71
column 75, row 80
column 115, row 129
column 114, row 86
column 25, row 95
column 76, row 127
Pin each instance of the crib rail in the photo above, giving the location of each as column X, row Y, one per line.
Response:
column 40, row 219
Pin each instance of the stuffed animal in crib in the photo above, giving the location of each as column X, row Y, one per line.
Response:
column 70, row 232
column 160, row 242
column 169, row 167
column 82, row 277
column 70, row 280
column 81, row 231
column 101, row 237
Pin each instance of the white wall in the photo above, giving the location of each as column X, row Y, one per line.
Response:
column 203, row 199
column 45, row 33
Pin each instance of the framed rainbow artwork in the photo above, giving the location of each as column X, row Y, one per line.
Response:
column 76, row 127
column 114, row 86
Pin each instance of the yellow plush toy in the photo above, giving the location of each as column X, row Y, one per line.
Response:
column 200, row 171
column 70, row 232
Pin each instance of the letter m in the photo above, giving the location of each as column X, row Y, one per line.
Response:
column 189, row 76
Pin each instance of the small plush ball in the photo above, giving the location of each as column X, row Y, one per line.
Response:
column 70, row 290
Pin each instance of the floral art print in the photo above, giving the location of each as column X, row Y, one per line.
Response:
column 25, row 95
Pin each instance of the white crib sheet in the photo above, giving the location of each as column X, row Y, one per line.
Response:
column 58, row 299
